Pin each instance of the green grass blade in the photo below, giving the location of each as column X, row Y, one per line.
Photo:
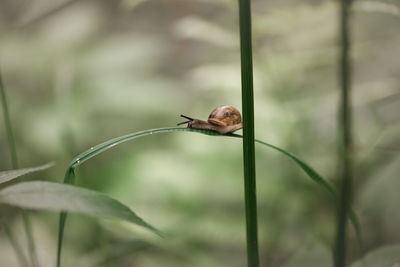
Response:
column 305, row 167
column 88, row 154
column 61, row 197
column 61, row 227
column 6, row 176
column 69, row 178
column 93, row 151
column 320, row 181
column 96, row 150
column 345, row 137
column 249, row 165
column 14, row 161
column 323, row 183
column 7, row 121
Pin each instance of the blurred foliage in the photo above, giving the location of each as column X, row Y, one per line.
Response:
column 81, row 72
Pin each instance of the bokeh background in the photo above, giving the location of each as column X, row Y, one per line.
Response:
column 78, row 73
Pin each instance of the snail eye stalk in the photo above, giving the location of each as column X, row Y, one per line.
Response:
column 184, row 122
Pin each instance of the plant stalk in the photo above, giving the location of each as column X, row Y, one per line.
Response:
column 345, row 138
column 69, row 178
column 7, row 121
column 15, row 165
column 248, row 133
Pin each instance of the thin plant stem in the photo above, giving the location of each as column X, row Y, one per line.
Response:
column 248, row 133
column 15, row 165
column 69, row 178
column 345, row 138
column 7, row 121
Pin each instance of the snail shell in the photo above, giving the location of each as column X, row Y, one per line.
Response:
column 223, row 120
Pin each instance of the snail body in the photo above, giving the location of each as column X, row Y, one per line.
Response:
column 223, row 120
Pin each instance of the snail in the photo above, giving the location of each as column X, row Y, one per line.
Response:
column 223, row 120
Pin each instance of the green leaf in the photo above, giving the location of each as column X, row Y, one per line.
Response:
column 88, row 154
column 306, row 168
column 249, row 158
column 78, row 160
column 93, row 151
column 324, row 184
column 62, row 197
column 6, row 176
column 14, row 162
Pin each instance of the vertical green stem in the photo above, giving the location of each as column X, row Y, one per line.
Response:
column 7, row 121
column 345, row 137
column 248, row 133
column 61, row 227
column 14, row 161
column 69, row 178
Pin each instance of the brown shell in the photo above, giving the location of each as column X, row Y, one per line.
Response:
column 225, row 116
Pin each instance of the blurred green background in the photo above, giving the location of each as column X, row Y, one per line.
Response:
column 78, row 73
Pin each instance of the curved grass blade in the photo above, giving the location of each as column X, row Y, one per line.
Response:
column 61, row 197
column 90, row 153
column 93, row 151
column 322, row 182
column 6, row 176
column 306, row 168
column 325, row 184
